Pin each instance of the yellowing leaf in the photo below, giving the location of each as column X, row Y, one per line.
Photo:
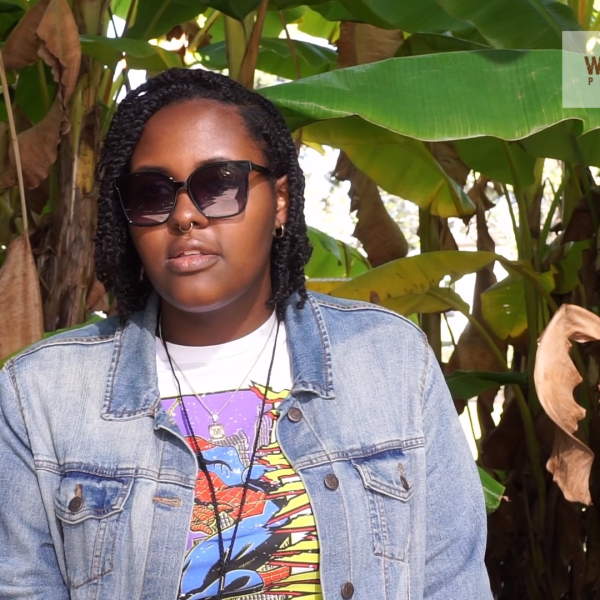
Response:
column 413, row 275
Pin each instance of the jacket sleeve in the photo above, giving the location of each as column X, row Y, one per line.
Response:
column 28, row 563
column 456, row 527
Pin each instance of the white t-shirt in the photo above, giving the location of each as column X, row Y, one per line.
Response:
column 223, row 387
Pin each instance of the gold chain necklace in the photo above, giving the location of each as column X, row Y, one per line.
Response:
column 216, row 430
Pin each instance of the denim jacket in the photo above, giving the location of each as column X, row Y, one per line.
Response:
column 97, row 483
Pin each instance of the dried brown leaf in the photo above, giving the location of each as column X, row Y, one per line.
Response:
column 21, row 48
column 56, row 40
column 38, row 147
column 20, row 299
column 361, row 43
column 60, row 47
column 380, row 235
column 555, row 379
column 446, row 155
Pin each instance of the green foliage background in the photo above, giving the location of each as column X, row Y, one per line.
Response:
column 454, row 105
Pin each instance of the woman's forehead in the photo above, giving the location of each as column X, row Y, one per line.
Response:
column 194, row 132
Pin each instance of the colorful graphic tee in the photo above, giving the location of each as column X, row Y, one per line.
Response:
column 275, row 555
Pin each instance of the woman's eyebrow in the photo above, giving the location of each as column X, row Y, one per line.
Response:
column 153, row 169
column 212, row 159
column 165, row 171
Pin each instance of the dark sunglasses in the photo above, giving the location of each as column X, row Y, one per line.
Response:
column 218, row 190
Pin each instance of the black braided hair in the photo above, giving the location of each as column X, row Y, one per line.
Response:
column 118, row 265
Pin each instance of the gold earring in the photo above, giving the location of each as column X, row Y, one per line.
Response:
column 279, row 232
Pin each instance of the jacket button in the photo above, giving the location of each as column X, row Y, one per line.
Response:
column 294, row 414
column 347, row 590
column 331, row 481
column 75, row 504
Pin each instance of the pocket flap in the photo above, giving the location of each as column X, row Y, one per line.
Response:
column 83, row 496
column 389, row 473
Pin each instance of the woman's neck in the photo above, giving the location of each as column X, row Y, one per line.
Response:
column 209, row 328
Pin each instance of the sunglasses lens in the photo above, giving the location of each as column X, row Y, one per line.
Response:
column 147, row 198
column 220, row 190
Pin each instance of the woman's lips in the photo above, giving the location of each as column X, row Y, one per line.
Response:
column 191, row 263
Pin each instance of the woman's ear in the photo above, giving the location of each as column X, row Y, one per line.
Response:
column 282, row 201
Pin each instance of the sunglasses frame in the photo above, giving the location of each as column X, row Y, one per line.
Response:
column 184, row 185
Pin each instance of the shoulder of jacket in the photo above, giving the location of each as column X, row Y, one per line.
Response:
column 100, row 331
column 377, row 314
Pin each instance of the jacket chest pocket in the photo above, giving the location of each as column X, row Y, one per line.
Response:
column 388, row 481
column 90, row 508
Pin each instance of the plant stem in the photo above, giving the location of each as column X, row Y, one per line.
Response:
column 203, row 33
column 15, row 144
column 291, row 46
column 235, row 45
column 512, row 218
column 525, row 233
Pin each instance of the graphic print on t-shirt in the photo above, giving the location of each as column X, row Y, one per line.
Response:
column 275, row 555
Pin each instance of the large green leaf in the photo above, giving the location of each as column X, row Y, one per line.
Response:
column 516, row 23
column 504, row 308
column 432, row 43
column 399, row 164
column 154, row 18
column 10, row 7
column 492, row 491
column 275, row 57
column 332, row 258
column 238, row 9
column 517, row 94
column 488, row 155
column 415, row 275
column 29, row 92
column 273, row 26
column 315, row 24
column 566, row 271
column 332, row 10
column 433, row 300
column 425, row 15
column 464, row 385
column 139, row 54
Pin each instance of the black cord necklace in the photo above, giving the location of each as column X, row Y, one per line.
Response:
column 224, row 555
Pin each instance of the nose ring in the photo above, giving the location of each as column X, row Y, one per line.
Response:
column 187, row 231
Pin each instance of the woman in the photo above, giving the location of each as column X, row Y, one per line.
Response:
column 228, row 435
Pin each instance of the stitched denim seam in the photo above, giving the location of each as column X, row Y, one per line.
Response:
column 367, row 307
column 325, row 346
column 352, row 454
column 137, row 473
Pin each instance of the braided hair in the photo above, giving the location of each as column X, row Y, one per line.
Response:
column 118, row 265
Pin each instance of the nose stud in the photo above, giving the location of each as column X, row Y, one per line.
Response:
column 187, row 231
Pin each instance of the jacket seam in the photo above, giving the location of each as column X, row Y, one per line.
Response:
column 365, row 306
column 424, row 377
column 325, row 346
column 13, row 381
column 114, row 362
column 327, row 458
column 50, row 343
column 135, row 473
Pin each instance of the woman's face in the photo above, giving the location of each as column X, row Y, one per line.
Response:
column 232, row 271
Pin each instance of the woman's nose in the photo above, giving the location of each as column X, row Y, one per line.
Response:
column 185, row 212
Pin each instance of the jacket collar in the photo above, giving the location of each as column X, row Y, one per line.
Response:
column 132, row 384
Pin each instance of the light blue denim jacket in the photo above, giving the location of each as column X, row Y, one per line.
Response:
column 97, row 484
